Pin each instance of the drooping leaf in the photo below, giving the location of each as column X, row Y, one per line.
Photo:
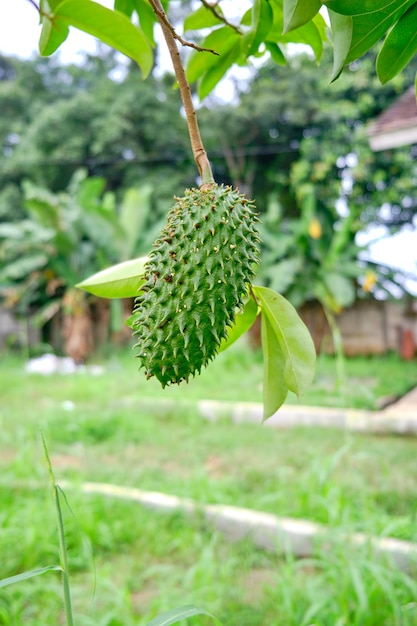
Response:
column 119, row 281
column 399, row 47
column 262, row 20
column 370, row 27
column 342, row 28
column 177, row 615
column 48, row 6
column 23, row 266
column 11, row 580
column 46, row 313
column 134, row 211
column 276, row 53
column 111, row 27
column 214, row 75
column 283, row 273
column 299, row 12
column 12, row 230
column 147, row 19
column 124, row 6
column 221, row 40
column 340, row 288
column 54, row 32
column 243, row 321
column 308, row 34
column 358, row 7
column 275, row 389
column 295, row 340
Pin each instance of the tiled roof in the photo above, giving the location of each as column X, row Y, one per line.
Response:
column 397, row 121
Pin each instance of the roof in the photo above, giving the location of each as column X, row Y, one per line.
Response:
column 397, row 126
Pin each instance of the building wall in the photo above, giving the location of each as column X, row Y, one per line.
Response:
column 368, row 327
column 15, row 332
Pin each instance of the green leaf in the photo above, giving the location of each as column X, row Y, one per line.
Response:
column 177, row 615
column 308, row 34
column 217, row 71
column 399, row 47
column 111, row 27
column 134, row 212
column 262, row 20
column 23, row 266
column 299, row 12
column 119, row 281
column 295, row 340
column 342, row 28
column 5, row 582
column 274, row 388
column 124, row 6
column 369, row 28
column 359, row 7
column 340, row 288
column 276, row 53
column 54, row 32
column 202, row 18
column 243, row 321
column 221, row 40
column 147, row 19
column 48, row 6
column 283, row 273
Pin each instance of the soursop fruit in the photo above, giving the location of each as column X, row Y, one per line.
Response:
column 196, row 279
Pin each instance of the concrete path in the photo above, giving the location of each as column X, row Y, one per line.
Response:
column 265, row 530
column 399, row 418
column 406, row 403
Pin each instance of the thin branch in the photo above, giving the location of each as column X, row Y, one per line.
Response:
column 41, row 12
column 35, row 5
column 213, row 8
column 199, row 152
column 161, row 15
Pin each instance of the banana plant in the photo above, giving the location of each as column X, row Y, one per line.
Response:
column 64, row 238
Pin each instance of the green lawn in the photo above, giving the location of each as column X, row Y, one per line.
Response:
column 145, row 563
column 234, row 375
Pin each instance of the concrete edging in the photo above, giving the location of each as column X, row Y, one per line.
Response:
column 288, row 416
column 391, row 420
column 265, row 530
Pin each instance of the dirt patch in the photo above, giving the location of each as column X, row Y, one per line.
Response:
column 256, row 582
column 7, row 456
column 144, row 597
column 66, row 461
column 215, row 466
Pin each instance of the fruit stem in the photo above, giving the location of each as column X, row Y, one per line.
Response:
column 199, row 152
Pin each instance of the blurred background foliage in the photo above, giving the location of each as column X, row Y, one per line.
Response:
column 93, row 155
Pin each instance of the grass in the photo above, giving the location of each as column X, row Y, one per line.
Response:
column 143, row 563
column 235, row 374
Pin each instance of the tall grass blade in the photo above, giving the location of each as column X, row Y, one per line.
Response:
column 63, row 553
column 31, row 574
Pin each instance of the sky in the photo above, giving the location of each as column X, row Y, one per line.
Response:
column 19, row 34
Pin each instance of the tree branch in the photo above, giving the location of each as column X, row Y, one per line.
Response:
column 213, row 8
column 162, row 18
column 199, row 152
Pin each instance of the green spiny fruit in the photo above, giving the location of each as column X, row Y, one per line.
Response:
column 196, row 279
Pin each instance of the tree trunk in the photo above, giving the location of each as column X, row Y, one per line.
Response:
column 77, row 327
